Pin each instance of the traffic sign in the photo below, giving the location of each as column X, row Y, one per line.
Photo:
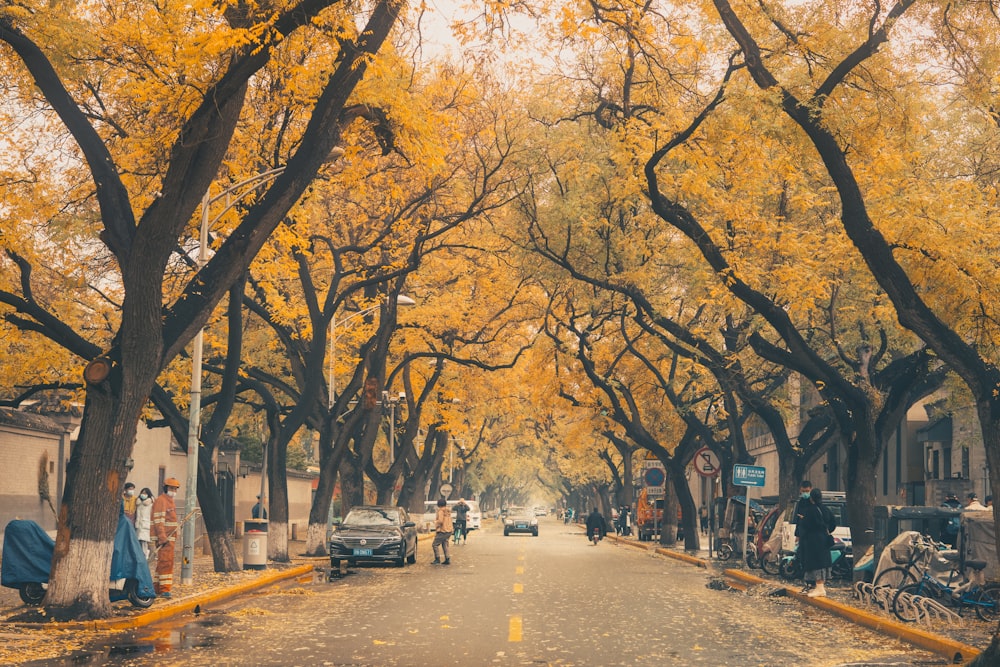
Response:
column 445, row 490
column 654, row 477
column 748, row 475
column 706, row 462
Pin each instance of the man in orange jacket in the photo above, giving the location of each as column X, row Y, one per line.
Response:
column 164, row 531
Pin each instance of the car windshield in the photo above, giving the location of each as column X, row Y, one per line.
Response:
column 517, row 512
column 372, row 516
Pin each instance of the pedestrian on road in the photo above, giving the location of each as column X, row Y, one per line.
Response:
column 461, row 521
column 595, row 521
column 164, row 529
column 443, row 528
column 128, row 502
column 143, row 519
column 258, row 511
column 703, row 518
column 815, row 540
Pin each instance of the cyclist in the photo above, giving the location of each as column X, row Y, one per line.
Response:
column 461, row 510
column 596, row 522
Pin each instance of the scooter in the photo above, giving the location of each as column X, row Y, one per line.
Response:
column 596, row 536
column 27, row 562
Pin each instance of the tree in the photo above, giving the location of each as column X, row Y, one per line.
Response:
column 198, row 127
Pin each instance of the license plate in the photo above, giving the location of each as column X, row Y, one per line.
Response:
column 362, row 552
column 522, row 525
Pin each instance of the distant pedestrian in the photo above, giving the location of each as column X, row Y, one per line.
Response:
column 443, row 528
column 164, row 528
column 951, row 526
column 143, row 518
column 972, row 503
column 815, row 539
column 461, row 522
column 703, row 518
column 258, row 511
column 128, row 502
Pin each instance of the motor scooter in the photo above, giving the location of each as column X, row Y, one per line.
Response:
column 27, row 562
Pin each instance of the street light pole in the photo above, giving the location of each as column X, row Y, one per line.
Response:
column 194, row 418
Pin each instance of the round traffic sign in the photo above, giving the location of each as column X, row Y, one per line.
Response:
column 706, row 462
column 445, row 490
column 654, row 477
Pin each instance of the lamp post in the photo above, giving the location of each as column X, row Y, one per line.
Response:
column 231, row 198
column 401, row 300
column 391, row 402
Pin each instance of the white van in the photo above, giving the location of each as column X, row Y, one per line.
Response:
column 426, row 523
column 836, row 502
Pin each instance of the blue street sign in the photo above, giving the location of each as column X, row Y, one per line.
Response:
column 654, row 477
column 748, row 475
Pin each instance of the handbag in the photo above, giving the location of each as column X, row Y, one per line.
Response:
column 829, row 540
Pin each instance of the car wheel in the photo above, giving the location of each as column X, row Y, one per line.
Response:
column 32, row 593
column 534, row 533
column 412, row 558
column 506, row 532
column 401, row 561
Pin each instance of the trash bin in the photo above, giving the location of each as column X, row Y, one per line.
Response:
column 255, row 544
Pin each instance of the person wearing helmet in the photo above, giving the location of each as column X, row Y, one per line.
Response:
column 164, row 529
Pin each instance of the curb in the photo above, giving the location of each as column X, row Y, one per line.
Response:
column 173, row 608
column 957, row 652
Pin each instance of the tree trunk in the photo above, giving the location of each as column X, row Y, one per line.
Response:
column 352, row 484
column 224, row 557
column 88, row 513
column 277, row 485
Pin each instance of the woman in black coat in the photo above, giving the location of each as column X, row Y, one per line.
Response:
column 814, row 542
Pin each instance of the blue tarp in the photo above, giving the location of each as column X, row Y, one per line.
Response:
column 754, row 505
column 27, row 554
column 128, row 561
column 27, row 557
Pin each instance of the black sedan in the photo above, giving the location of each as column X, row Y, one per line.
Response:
column 374, row 533
column 520, row 520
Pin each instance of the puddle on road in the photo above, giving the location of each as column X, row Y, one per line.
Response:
column 166, row 637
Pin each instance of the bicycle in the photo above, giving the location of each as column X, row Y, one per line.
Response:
column 459, row 533
column 912, row 561
column 915, row 601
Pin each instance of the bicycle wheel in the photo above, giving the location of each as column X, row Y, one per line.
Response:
column 894, row 577
column 791, row 569
column 751, row 558
column 725, row 552
column 988, row 602
column 770, row 563
column 903, row 602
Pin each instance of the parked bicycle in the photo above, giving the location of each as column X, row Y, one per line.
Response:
column 914, row 601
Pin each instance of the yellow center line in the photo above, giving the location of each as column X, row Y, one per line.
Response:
column 514, row 631
column 519, row 570
column 518, row 588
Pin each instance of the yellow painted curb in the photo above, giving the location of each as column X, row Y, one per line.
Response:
column 679, row 555
column 957, row 652
column 174, row 608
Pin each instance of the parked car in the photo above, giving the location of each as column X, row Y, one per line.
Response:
column 376, row 533
column 520, row 520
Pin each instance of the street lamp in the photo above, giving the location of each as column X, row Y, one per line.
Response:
column 401, row 300
column 231, row 197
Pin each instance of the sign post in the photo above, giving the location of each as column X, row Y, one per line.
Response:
column 744, row 475
column 706, row 463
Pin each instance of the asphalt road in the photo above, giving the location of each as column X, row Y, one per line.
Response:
column 518, row 600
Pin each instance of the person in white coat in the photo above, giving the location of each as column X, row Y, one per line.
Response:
column 143, row 518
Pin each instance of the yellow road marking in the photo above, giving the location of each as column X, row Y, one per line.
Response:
column 514, row 631
column 518, row 588
column 520, row 557
column 518, row 570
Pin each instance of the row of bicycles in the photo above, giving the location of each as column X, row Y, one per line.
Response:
column 784, row 564
column 923, row 580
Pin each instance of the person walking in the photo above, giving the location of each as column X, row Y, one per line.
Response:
column 164, row 529
column 972, row 503
column 443, row 528
column 815, row 540
column 143, row 519
column 461, row 522
column 128, row 502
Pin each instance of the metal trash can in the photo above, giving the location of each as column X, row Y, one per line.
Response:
column 255, row 544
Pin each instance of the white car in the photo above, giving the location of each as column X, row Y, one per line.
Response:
column 836, row 502
column 426, row 523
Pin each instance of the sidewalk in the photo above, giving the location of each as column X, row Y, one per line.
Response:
column 959, row 648
column 24, row 641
